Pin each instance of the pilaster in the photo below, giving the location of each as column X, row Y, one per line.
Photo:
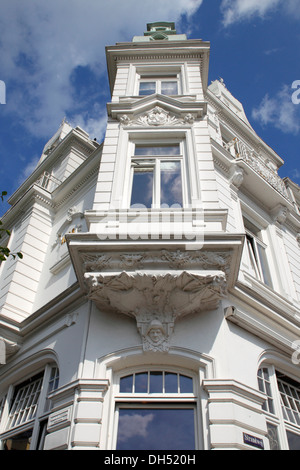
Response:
column 234, row 414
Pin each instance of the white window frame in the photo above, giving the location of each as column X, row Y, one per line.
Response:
column 156, row 400
column 158, row 80
column 42, row 408
column 276, row 417
column 253, row 243
column 121, row 189
column 157, row 72
column 157, row 159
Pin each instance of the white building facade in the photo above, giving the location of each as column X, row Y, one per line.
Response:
column 157, row 302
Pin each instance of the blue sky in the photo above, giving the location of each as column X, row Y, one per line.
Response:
column 52, row 61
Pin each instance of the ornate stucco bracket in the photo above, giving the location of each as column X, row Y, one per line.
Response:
column 7, row 349
column 156, row 300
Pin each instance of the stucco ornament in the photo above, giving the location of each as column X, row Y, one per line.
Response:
column 156, row 117
column 163, row 297
column 154, row 337
column 7, row 349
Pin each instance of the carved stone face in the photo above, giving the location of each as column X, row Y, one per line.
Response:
column 156, row 335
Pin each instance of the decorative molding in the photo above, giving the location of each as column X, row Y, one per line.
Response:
column 204, row 260
column 157, row 117
column 236, row 176
column 280, row 214
column 151, row 56
column 95, row 262
column 156, row 300
column 7, row 349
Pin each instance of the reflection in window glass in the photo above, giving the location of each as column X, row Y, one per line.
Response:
column 156, row 150
column 156, row 382
column 171, row 183
column 171, row 382
column 293, row 440
column 142, row 187
column 147, row 88
column 156, row 429
column 186, row 384
column 126, row 384
column 141, row 382
column 169, row 88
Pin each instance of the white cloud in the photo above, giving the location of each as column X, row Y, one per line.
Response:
column 239, row 10
column 133, row 426
column 279, row 111
column 42, row 44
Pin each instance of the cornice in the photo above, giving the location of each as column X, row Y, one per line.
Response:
column 87, row 146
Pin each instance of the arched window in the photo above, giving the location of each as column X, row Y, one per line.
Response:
column 282, row 408
column 156, row 409
column 25, row 410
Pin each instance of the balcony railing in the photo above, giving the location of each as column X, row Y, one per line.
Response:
column 48, row 181
column 241, row 151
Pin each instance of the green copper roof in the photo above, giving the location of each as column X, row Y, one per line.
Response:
column 159, row 31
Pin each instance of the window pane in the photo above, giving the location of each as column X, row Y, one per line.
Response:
column 273, row 437
column 169, row 88
column 141, row 382
column 171, row 183
column 147, row 88
column 171, row 382
column 156, row 429
column 156, row 382
column 126, row 384
column 293, row 440
column 18, row 442
column 154, row 150
column 186, row 384
column 264, row 265
column 142, row 187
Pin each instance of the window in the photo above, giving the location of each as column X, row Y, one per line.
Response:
column 157, row 176
column 282, row 408
column 167, row 85
column 257, row 253
column 27, row 405
column 156, row 410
